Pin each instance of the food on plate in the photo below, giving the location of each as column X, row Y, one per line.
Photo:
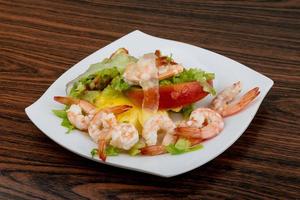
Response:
column 124, row 104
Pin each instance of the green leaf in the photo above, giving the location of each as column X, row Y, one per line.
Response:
column 97, row 81
column 112, row 151
column 182, row 146
column 135, row 150
column 94, row 152
column 65, row 121
column 173, row 150
column 67, row 124
column 60, row 113
column 187, row 110
column 119, row 84
column 189, row 75
column 90, row 96
column 118, row 61
column 196, row 147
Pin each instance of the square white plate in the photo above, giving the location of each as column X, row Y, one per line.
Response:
column 227, row 71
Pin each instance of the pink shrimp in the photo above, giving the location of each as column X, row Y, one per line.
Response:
column 153, row 150
column 101, row 126
column 80, row 112
column 223, row 103
column 204, row 123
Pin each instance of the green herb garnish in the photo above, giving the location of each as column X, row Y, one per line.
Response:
column 94, row 152
column 65, row 121
column 119, row 84
column 182, row 146
column 135, row 150
column 112, row 151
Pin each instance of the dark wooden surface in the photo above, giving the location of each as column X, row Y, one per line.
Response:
column 39, row 40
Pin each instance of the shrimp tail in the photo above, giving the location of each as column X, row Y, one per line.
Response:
column 118, row 109
column 245, row 100
column 189, row 132
column 153, row 150
column 102, row 150
column 66, row 100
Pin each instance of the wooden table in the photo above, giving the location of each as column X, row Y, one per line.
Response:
column 39, row 40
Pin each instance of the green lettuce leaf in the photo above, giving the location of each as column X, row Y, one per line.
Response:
column 189, row 75
column 97, row 81
column 65, row 121
column 119, row 61
column 119, row 84
column 90, row 96
column 135, row 150
column 187, row 110
column 112, row 151
column 182, row 146
column 94, row 152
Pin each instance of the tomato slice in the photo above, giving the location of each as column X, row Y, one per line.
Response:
column 172, row 96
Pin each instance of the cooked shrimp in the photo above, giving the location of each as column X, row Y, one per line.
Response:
column 156, row 123
column 124, row 136
column 204, row 123
column 104, row 119
column 146, row 69
column 169, row 70
column 104, row 136
column 80, row 112
column 101, row 127
column 223, row 103
column 153, row 150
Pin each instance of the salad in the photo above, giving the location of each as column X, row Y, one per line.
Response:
column 123, row 103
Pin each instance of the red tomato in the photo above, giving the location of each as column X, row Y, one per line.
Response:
column 172, row 96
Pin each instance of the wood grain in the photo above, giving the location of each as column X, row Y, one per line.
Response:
column 39, row 40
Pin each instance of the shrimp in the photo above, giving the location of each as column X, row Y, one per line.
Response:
column 156, row 123
column 204, row 123
column 153, row 150
column 80, row 112
column 101, row 126
column 223, row 102
column 124, row 136
column 105, row 119
column 169, row 70
column 144, row 70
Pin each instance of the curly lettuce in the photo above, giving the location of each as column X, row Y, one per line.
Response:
column 189, row 75
column 99, row 75
column 65, row 121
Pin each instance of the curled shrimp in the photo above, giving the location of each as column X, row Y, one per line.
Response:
column 105, row 119
column 158, row 123
column 100, row 128
column 223, row 103
column 154, row 125
column 204, row 123
column 124, row 136
column 80, row 112
column 144, row 70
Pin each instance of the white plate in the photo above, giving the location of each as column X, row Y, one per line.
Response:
column 227, row 72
